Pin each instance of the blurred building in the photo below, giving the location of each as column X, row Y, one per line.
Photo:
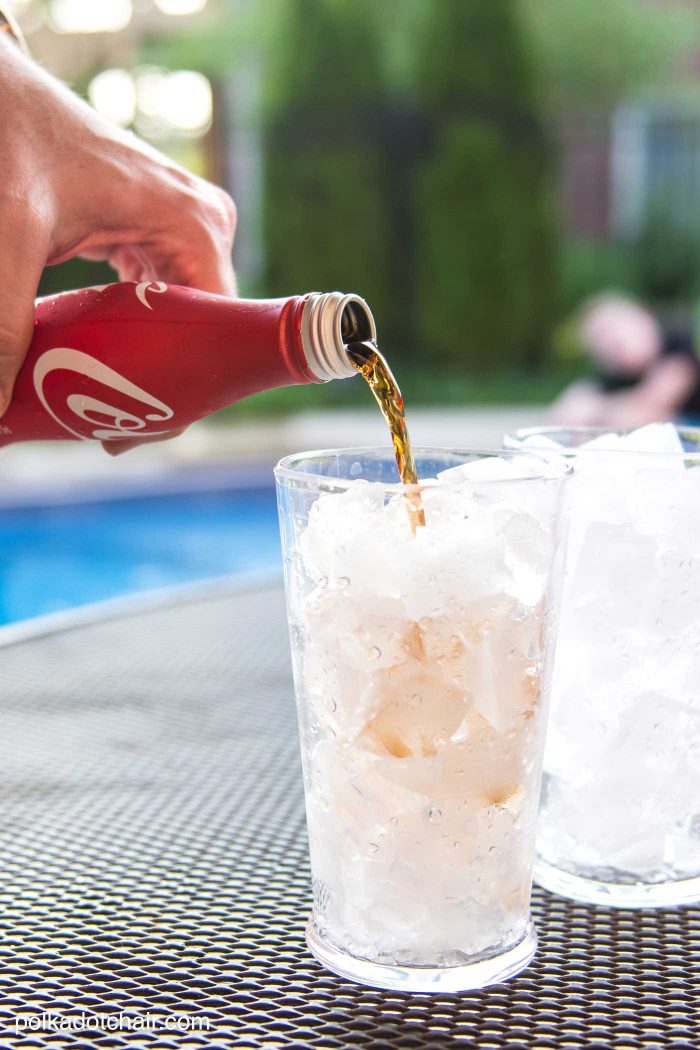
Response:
column 636, row 162
column 639, row 162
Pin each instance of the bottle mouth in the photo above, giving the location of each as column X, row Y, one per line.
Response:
column 332, row 320
column 356, row 322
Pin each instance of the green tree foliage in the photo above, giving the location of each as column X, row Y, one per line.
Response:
column 595, row 53
column 406, row 156
column 325, row 196
column 486, row 246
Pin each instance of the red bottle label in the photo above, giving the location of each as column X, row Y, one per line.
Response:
column 103, row 404
column 129, row 360
column 87, row 410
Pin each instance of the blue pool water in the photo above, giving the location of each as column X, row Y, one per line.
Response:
column 57, row 557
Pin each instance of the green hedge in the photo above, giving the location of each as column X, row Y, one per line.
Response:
column 485, row 251
column 434, row 201
column 487, row 247
column 325, row 194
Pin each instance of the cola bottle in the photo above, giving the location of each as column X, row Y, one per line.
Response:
column 131, row 360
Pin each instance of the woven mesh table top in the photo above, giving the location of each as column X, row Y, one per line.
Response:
column 153, row 860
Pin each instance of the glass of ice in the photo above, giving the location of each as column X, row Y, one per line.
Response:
column 620, row 815
column 421, row 656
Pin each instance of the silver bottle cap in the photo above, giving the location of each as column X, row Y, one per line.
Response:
column 329, row 322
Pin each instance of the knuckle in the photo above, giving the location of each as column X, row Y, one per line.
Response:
column 202, row 212
column 217, row 213
column 229, row 209
column 215, row 206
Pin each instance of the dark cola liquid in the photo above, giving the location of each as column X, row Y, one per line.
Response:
column 371, row 365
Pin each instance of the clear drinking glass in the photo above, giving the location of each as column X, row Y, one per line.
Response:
column 421, row 656
column 620, row 813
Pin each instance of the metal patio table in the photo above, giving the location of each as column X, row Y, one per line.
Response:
column 154, row 861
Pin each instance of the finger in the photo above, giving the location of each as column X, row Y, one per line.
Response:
column 195, row 250
column 209, row 269
column 197, row 264
column 21, row 265
column 127, row 259
column 192, row 247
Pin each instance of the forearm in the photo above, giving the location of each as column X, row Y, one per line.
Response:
column 659, row 397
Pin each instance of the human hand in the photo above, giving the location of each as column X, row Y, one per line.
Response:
column 74, row 184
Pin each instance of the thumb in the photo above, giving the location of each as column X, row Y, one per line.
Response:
column 19, row 279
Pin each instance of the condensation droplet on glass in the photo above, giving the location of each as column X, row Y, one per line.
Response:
column 323, row 582
column 332, row 706
column 355, row 469
column 394, row 820
column 375, row 652
column 492, row 850
column 434, row 815
column 343, row 582
column 373, row 848
column 416, row 700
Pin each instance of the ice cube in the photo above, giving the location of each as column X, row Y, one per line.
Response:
column 615, row 567
column 493, row 469
column 542, row 441
column 610, row 442
column 655, row 437
column 417, row 710
column 352, row 515
column 487, row 468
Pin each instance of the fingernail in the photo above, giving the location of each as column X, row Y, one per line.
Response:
column 4, row 402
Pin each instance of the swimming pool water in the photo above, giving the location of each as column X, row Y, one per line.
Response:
column 57, row 557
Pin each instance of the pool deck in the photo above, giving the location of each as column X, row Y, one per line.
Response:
column 60, row 467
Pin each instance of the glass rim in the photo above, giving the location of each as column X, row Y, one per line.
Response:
column 574, row 450
column 285, row 471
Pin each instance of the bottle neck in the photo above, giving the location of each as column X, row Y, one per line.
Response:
column 329, row 321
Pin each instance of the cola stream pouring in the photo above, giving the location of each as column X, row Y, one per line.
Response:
column 132, row 360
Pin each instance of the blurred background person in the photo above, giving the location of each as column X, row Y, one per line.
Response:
column 644, row 372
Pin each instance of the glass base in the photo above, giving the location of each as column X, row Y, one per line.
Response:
column 616, row 894
column 425, row 979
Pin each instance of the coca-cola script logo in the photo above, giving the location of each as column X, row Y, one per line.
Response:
column 110, row 422
column 157, row 287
